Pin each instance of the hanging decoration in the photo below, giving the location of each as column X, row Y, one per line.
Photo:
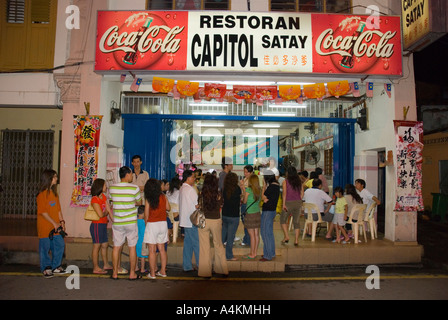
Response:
column 290, row 92
column 314, row 91
column 187, row 88
column 244, row 92
column 409, row 145
column 215, row 90
column 338, row 88
column 369, row 89
column 87, row 137
column 162, row 85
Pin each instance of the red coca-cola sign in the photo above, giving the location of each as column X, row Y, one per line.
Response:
column 355, row 45
column 140, row 40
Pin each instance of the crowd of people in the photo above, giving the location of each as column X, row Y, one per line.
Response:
column 148, row 214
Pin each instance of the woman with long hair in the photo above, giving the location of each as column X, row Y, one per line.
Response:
column 270, row 200
column 156, row 232
column 49, row 218
column 211, row 206
column 98, row 229
column 292, row 204
column 352, row 197
column 173, row 198
column 252, row 220
column 230, row 212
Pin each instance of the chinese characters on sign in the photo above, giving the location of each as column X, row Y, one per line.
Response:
column 87, row 136
column 409, row 165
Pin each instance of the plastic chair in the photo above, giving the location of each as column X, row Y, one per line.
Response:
column 370, row 219
column 360, row 209
column 308, row 209
column 174, row 208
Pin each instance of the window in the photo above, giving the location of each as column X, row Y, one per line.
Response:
column 329, row 6
column 27, row 35
column 188, row 4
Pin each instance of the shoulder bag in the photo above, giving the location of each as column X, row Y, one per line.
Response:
column 90, row 214
column 197, row 218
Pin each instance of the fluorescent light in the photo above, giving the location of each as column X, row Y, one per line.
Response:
column 279, row 114
column 211, row 135
column 295, row 106
column 224, row 104
column 209, row 125
column 205, row 112
column 266, row 126
column 294, row 83
column 250, row 83
column 257, row 136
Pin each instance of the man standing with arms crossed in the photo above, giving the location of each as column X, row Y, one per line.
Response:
column 125, row 197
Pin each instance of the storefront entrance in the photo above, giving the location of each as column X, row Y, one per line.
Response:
column 164, row 141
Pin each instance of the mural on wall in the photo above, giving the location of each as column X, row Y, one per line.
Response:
column 87, row 138
column 409, row 144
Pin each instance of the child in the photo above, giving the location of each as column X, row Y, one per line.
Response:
column 340, row 214
column 142, row 249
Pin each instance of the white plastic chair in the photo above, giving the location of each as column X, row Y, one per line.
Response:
column 360, row 209
column 174, row 208
column 370, row 219
column 308, row 209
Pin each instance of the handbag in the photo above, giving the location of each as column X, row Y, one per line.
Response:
column 90, row 214
column 197, row 218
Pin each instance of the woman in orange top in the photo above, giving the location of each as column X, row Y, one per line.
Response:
column 156, row 231
column 49, row 218
column 98, row 229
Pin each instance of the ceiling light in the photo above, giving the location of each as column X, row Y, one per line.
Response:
column 279, row 114
column 210, row 113
column 294, row 83
column 250, row 83
column 211, row 135
column 272, row 125
column 209, row 125
column 224, row 104
column 257, row 136
column 295, row 106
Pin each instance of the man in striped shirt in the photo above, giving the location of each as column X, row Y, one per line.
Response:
column 125, row 197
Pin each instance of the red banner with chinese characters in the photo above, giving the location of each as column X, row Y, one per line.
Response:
column 87, row 138
column 266, row 92
column 244, row 92
column 409, row 145
column 162, row 85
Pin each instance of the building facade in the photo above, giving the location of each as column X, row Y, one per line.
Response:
column 148, row 119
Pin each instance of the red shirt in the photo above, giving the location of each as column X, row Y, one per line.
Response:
column 159, row 214
column 101, row 200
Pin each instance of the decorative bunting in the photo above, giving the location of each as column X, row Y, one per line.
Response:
column 215, row 90
column 355, row 89
column 290, row 92
column 136, row 84
column 338, row 88
column 369, row 89
column 244, row 92
column 388, row 88
column 314, row 91
column 266, row 92
column 162, row 85
column 122, row 77
column 187, row 88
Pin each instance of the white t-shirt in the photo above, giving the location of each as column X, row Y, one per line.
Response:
column 366, row 196
column 188, row 199
column 316, row 196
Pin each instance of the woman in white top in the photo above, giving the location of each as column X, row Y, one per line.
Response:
column 173, row 198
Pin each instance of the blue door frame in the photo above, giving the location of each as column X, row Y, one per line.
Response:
column 148, row 135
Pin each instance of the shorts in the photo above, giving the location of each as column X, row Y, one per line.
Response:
column 156, row 232
column 338, row 219
column 121, row 233
column 252, row 220
column 98, row 231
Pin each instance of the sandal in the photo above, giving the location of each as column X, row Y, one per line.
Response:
column 100, row 272
column 136, row 278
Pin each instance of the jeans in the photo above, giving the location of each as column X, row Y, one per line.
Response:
column 191, row 245
column 56, row 246
column 246, row 238
column 229, row 227
column 267, row 234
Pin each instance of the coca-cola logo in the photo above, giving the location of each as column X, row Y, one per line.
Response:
column 360, row 45
column 352, row 48
column 141, row 41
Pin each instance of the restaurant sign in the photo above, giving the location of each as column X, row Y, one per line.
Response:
column 259, row 42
